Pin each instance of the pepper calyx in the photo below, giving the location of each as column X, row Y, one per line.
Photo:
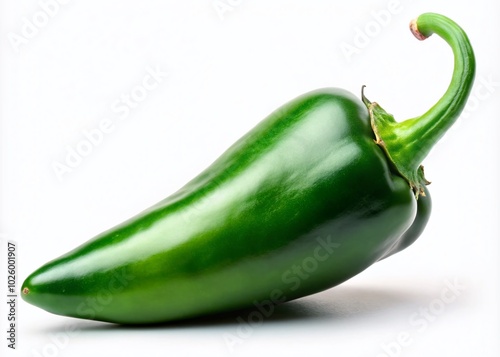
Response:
column 385, row 126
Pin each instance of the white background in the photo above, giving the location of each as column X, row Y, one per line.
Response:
column 226, row 73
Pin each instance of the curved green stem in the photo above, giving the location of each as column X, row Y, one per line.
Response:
column 407, row 143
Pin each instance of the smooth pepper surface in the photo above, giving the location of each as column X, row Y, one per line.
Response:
column 307, row 199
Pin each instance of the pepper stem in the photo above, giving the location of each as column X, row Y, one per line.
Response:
column 408, row 142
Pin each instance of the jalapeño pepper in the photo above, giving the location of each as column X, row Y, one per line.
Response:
column 317, row 192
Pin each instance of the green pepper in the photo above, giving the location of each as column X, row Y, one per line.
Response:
column 317, row 192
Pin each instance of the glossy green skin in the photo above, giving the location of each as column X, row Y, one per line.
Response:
column 301, row 203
